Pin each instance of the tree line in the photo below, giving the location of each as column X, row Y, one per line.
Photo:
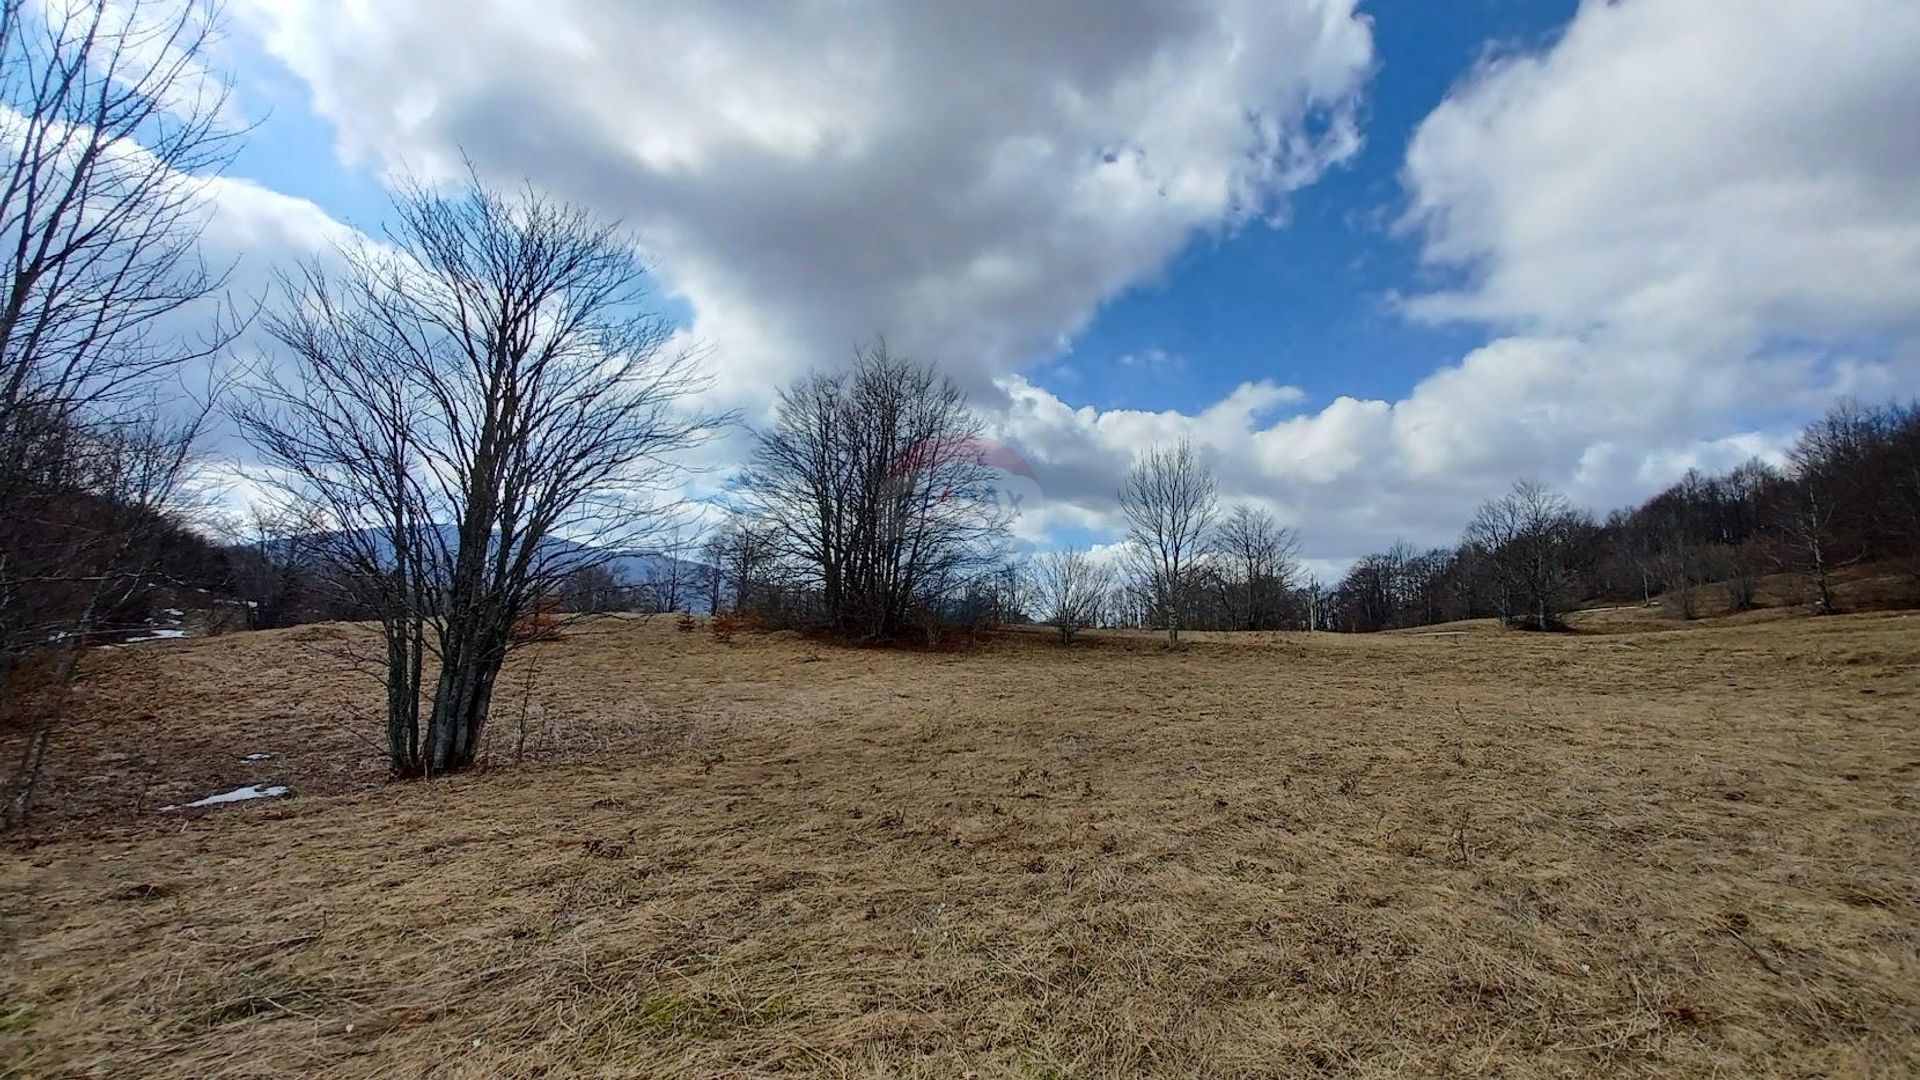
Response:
column 1848, row 493
column 868, row 510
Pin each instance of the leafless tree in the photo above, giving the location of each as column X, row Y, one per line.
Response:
column 1259, row 562
column 109, row 129
column 1741, row 566
column 591, row 589
column 1170, row 500
column 1069, row 589
column 670, row 581
column 1314, row 595
column 1806, row 528
column 742, row 553
column 1839, row 495
column 1001, row 596
column 272, row 575
column 873, row 483
column 82, row 557
column 1527, row 536
column 478, row 409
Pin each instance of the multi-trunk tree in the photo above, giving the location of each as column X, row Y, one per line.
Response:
column 479, row 410
column 1070, row 589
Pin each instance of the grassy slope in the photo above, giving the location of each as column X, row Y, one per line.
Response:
column 1647, row 852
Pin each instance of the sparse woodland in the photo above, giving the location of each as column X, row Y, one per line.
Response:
column 107, row 129
column 465, row 428
column 833, row 770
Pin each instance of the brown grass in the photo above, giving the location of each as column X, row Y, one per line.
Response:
column 1678, row 851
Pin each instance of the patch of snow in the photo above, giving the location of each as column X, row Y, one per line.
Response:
column 257, row 757
column 251, row 791
column 157, row 633
column 175, row 612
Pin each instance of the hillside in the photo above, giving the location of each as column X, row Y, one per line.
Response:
column 1646, row 852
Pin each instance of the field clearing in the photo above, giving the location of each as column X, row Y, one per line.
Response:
column 1468, row 852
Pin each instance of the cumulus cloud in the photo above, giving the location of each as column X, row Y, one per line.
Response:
column 1357, row 474
column 1684, row 226
column 1689, row 227
column 1684, row 172
column 1692, row 217
column 969, row 180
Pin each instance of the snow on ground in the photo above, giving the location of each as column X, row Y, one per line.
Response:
column 251, row 791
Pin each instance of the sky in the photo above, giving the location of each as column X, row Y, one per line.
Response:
column 1377, row 260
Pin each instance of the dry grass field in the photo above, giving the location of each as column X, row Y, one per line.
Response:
column 1636, row 850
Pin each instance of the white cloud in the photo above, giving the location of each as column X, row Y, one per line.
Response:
column 970, row 180
column 1689, row 225
column 262, row 229
column 1686, row 226
column 1154, row 359
column 1686, row 173
column 1356, row 475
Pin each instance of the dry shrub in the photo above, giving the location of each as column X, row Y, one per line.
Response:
column 536, row 626
column 686, row 623
column 724, row 626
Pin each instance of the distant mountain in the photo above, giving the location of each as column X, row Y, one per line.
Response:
column 632, row 569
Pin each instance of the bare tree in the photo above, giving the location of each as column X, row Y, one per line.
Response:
column 1259, row 563
column 1807, row 531
column 476, row 409
column 591, row 589
column 1528, row 537
column 1070, row 588
column 1170, row 500
column 741, row 554
column 109, row 128
column 1314, row 596
column 1741, row 566
column 670, row 578
column 271, row 578
column 874, row 484
column 1838, row 495
column 92, row 553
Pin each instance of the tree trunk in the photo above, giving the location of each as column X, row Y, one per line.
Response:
column 403, row 704
column 461, row 701
column 1825, row 587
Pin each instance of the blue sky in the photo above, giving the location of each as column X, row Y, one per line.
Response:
column 1306, row 301
column 1309, row 302
column 1376, row 260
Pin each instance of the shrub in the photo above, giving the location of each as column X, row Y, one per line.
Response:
column 686, row 623
column 724, row 626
